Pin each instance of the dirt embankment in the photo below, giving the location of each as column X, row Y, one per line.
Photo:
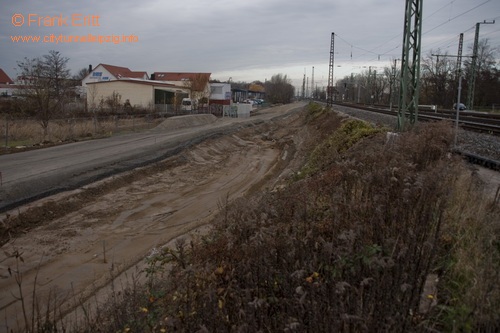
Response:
column 84, row 237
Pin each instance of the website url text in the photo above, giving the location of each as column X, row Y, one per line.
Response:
column 89, row 38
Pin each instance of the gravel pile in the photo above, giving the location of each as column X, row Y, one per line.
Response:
column 480, row 144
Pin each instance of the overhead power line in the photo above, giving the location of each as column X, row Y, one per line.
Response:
column 453, row 18
column 378, row 54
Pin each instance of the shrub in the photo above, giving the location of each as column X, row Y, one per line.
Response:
column 349, row 248
column 350, row 133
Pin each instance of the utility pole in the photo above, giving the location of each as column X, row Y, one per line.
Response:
column 369, row 83
column 312, row 83
column 472, row 78
column 410, row 64
column 307, row 87
column 304, row 86
column 459, row 75
column 459, row 57
column 329, row 88
column 351, row 89
column 392, row 81
column 459, row 79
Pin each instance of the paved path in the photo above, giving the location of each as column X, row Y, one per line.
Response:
column 30, row 175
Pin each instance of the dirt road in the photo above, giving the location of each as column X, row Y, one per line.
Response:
column 121, row 219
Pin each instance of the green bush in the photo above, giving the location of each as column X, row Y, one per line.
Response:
column 326, row 152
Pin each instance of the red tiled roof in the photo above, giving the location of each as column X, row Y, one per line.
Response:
column 120, row 72
column 139, row 81
column 171, row 76
column 4, row 78
column 200, row 79
column 138, row 75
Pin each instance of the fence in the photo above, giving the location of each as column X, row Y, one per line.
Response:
column 29, row 132
column 174, row 110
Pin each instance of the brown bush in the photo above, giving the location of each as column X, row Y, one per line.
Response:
column 348, row 249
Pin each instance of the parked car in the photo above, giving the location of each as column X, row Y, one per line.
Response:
column 461, row 107
column 187, row 104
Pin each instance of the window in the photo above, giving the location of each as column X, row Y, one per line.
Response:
column 216, row 90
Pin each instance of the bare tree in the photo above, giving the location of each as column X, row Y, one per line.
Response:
column 81, row 74
column 92, row 97
column 279, row 89
column 380, row 83
column 487, row 74
column 437, row 79
column 45, row 85
column 200, row 90
column 114, row 102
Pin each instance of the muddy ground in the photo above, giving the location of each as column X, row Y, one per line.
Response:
column 75, row 244
column 85, row 237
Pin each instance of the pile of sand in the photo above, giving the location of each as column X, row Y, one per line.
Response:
column 192, row 120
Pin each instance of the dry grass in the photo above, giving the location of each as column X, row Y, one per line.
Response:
column 346, row 248
column 470, row 261
column 27, row 132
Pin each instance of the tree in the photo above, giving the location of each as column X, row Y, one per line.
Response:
column 279, row 89
column 45, row 85
column 114, row 102
column 438, row 80
column 487, row 84
column 393, row 73
column 81, row 74
column 200, row 89
column 380, row 83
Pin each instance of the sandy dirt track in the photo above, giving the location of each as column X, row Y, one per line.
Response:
column 72, row 255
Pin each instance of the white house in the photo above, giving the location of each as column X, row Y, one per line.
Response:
column 135, row 92
column 104, row 72
column 220, row 92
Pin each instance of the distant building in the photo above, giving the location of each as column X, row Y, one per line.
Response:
column 256, row 90
column 220, row 93
column 4, row 78
column 104, row 72
column 138, row 93
column 198, row 84
column 7, row 86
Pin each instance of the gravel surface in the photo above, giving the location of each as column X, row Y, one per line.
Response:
column 480, row 144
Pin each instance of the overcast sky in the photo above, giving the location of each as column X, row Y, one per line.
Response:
column 244, row 40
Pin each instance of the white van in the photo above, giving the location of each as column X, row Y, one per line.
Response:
column 186, row 104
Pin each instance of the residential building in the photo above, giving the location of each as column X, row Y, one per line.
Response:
column 220, row 93
column 4, row 78
column 104, row 72
column 138, row 93
column 197, row 83
column 7, row 86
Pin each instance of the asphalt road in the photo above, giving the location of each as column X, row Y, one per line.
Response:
column 31, row 175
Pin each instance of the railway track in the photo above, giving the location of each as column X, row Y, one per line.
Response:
column 470, row 121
